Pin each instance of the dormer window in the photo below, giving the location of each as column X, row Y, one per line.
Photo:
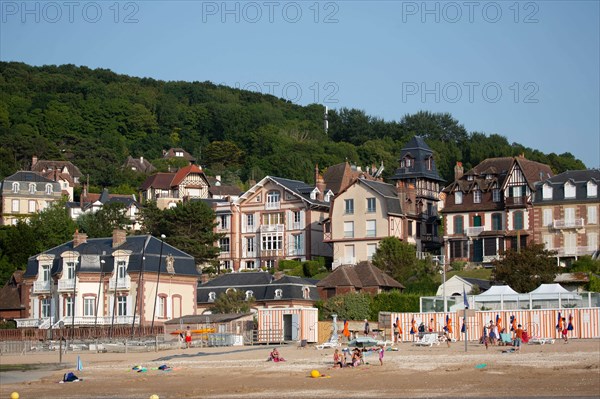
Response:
column 48, row 189
column 547, row 192
column 429, row 163
column 278, row 293
column 408, row 162
column 328, row 196
column 569, row 190
column 488, row 177
column 211, row 296
column 458, row 197
column 15, row 187
column 477, row 196
column 249, row 295
column 31, row 188
column 592, row 189
column 470, row 177
column 179, row 154
column 305, row 292
column 314, row 193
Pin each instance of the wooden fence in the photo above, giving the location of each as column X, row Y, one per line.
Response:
column 86, row 333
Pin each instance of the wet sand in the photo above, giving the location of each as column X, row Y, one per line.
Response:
column 558, row 370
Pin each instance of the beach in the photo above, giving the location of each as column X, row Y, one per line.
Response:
column 556, row 370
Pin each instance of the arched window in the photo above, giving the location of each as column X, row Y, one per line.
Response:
column 211, row 296
column 48, row 188
column 31, row 188
column 249, row 295
column 306, row 292
column 15, row 187
column 278, row 293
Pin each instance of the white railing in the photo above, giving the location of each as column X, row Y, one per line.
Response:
column 575, row 251
column 41, row 286
column 490, row 258
column 295, row 252
column 568, row 224
column 28, row 322
column 123, row 283
column 272, row 205
column 92, row 320
column 343, row 261
column 296, row 226
column 66, row 285
column 474, row 231
column 272, row 228
column 46, row 323
column 249, row 254
column 249, row 228
column 271, row 252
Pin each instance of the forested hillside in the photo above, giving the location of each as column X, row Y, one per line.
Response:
column 95, row 118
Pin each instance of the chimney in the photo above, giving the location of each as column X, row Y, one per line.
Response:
column 34, row 160
column 204, row 278
column 278, row 275
column 118, row 237
column 322, row 187
column 412, row 198
column 79, row 238
column 458, row 170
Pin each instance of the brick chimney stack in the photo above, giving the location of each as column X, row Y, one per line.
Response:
column 320, row 184
column 458, row 170
column 34, row 160
column 118, row 237
column 79, row 238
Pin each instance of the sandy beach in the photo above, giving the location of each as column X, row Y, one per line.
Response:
column 558, row 370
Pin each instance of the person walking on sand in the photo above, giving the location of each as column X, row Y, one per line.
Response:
column 367, row 328
column 381, row 352
column 564, row 331
column 518, row 338
column 188, row 338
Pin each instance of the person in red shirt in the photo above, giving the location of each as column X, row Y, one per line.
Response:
column 518, row 338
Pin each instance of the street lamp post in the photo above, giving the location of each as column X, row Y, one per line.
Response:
column 162, row 241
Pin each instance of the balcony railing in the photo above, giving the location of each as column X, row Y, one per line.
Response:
column 295, row 252
column 123, row 283
column 41, row 287
column 66, row 285
column 248, row 228
column 343, row 261
column 249, row 254
column 100, row 320
column 271, row 252
column 272, row 205
column 296, row 226
column 575, row 251
column 568, row 224
column 490, row 258
column 272, row 228
column 21, row 323
column 474, row 231
column 515, row 201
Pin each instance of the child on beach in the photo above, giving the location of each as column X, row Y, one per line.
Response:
column 565, row 330
column 337, row 359
column 381, row 352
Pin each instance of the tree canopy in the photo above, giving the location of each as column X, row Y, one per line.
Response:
column 232, row 301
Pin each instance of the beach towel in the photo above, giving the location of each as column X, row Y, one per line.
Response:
column 70, row 377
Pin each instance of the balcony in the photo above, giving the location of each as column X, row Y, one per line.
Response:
column 100, row 320
column 474, row 231
column 568, row 224
column 515, row 202
column 574, row 251
column 269, row 206
column 272, row 228
column 66, row 285
column 249, row 228
column 40, row 287
column 24, row 323
column 249, row 254
column 271, row 253
column 295, row 252
column 296, row 226
column 123, row 283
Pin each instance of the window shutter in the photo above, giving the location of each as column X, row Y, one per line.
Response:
column 302, row 219
column 129, row 306
column 302, row 247
column 169, row 305
column 111, row 305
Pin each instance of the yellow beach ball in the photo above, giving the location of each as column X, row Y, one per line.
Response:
column 14, row 395
column 154, row 396
column 315, row 374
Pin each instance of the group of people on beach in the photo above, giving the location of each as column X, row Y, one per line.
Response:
column 340, row 360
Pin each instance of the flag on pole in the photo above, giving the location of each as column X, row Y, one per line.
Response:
column 465, row 298
column 413, row 328
column 79, row 364
column 559, row 325
column 448, row 326
column 463, row 329
column 398, row 326
column 570, row 325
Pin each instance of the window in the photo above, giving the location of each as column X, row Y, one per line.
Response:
column 592, row 215
column 70, row 270
column 249, row 244
column 349, row 254
column 270, row 263
column 349, row 229
column 89, row 306
column 410, row 228
column 429, row 163
column 592, row 239
column 569, row 217
column 249, row 295
column 273, row 197
column 15, row 187
column 161, row 312
column 305, row 292
column 278, row 293
column 272, row 242
column 297, row 245
column 496, row 195
column 121, row 269
column 69, row 307
column 458, row 197
column 224, row 222
column 296, row 220
column 497, row 221
column 15, row 205
column 226, row 265
column 31, row 206
column 328, row 196
column 371, row 249
column 548, row 241
column 48, row 189
column 547, row 219
column 211, row 296
column 349, row 206
column 569, row 190
column 458, row 225
column 408, row 162
column 371, row 205
column 224, row 244
column 46, row 273
column 46, row 306
column 273, row 218
column 489, row 176
column 314, row 193
column 477, row 196
column 547, row 192
column 371, row 228
column 592, row 189
column 518, row 220
column 250, row 221
column 250, row 264
column 179, row 154
column 31, row 188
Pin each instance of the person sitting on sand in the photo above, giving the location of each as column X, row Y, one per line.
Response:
column 337, row 359
column 275, row 357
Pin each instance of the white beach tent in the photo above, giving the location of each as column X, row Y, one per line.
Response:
column 551, row 291
column 498, row 293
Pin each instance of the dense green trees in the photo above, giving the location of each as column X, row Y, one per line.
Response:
column 232, row 301
column 96, row 118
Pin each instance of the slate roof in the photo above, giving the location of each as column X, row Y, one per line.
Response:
column 97, row 249
column 262, row 284
column 210, row 318
column 483, row 285
column 389, row 192
column 579, row 178
column 140, row 164
column 225, row 190
column 25, row 176
column 44, row 165
column 362, row 275
column 186, row 155
column 338, row 177
column 297, row 187
column 417, row 149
